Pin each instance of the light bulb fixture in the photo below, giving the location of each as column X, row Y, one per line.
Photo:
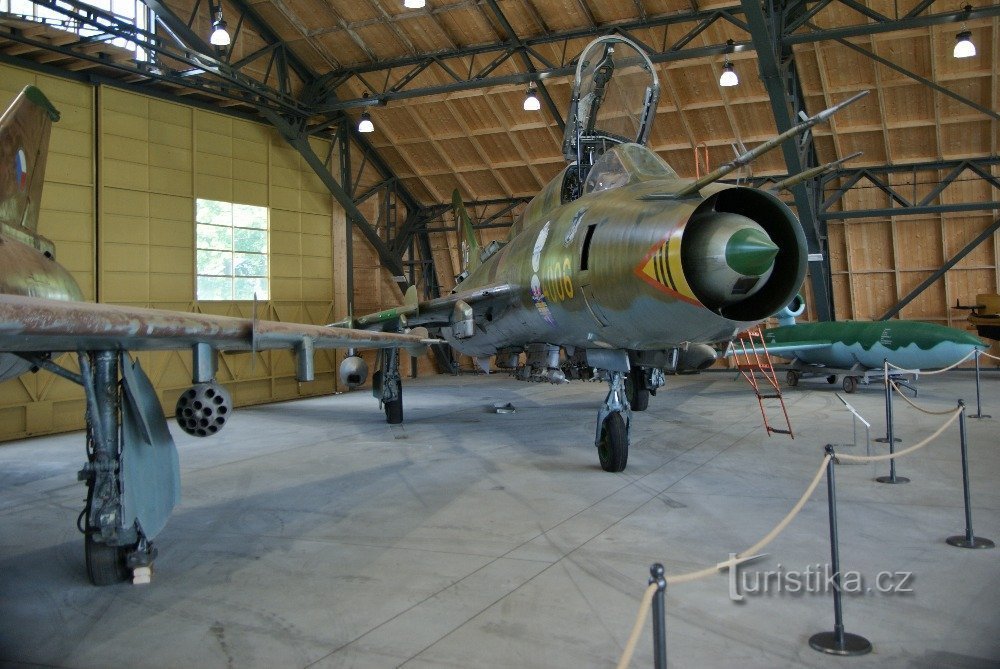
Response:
column 531, row 102
column 414, row 4
column 220, row 34
column 365, row 125
column 728, row 77
column 964, row 48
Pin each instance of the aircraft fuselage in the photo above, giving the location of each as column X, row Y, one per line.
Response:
column 907, row 344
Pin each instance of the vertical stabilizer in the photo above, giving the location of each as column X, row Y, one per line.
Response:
column 24, row 146
column 472, row 246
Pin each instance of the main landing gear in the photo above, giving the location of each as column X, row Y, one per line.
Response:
column 387, row 385
column 112, row 546
column 613, row 422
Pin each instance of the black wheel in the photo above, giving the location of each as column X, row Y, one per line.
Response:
column 832, row 379
column 613, row 446
column 105, row 564
column 850, row 384
column 636, row 391
column 792, row 378
column 394, row 409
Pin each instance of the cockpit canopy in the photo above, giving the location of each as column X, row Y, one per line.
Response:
column 626, row 164
column 614, row 99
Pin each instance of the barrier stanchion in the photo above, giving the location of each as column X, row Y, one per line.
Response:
column 837, row 642
column 979, row 404
column 889, row 437
column 967, row 540
column 659, row 618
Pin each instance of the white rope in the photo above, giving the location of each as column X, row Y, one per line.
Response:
column 905, row 451
column 988, row 355
column 915, row 405
column 938, row 371
column 640, row 620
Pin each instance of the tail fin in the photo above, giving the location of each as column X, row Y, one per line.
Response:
column 470, row 234
column 24, row 147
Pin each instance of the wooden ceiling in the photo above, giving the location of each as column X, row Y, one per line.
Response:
column 481, row 141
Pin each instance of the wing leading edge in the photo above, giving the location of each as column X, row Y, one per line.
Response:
column 30, row 324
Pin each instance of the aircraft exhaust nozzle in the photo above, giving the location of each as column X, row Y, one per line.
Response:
column 727, row 257
column 353, row 371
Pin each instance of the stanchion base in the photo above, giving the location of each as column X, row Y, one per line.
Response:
column 961, row 541
column 826, row 642
column 980, row 415
column 889, row 479
column 885, row 440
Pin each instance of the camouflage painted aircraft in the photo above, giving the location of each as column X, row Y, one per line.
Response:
column 859, row 349
column 618, row 268
column 132, row 472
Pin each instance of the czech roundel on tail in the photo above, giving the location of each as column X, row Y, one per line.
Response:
column 132, row 471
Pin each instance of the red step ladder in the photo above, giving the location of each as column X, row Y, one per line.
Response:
column 754, row 363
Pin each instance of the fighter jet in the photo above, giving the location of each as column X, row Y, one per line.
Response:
column 618, row 268
column 132, row 472
column 858, row 349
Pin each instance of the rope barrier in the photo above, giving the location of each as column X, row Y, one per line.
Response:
column 905, row 451
column 633, row 637
column 731, row 563
column 937, row 371
column 916, row 406
column 988, row 355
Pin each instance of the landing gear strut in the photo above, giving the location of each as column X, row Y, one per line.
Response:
column 110, row 548
column 387, row 385
column 613, row 422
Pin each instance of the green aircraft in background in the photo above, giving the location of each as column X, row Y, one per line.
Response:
column 618, row 267
column 859, row 349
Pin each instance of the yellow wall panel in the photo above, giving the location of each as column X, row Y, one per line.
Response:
column 250, row 193
column 172, row 182
column 284, row 198
column 155, row 157
column 170, row 134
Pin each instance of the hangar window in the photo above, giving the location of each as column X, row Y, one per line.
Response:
column 231, row 261
column 109, row 23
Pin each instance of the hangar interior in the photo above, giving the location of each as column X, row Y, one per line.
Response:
column 238, row 176
column 155, row 118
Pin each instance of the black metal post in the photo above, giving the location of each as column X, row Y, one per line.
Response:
column 889, row 436
column 837, row 642
column 979, row 405
column 659, row 619
column 967, row 540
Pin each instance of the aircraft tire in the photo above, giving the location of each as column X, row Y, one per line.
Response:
column 105, row 564
column 792, row 378
column 636, row 392
column 394, row 409
column 832, row 379
column 613, row 446
column 850, row 384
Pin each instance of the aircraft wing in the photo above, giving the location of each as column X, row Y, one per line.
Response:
column 34, row 324
column 439, row 311
column 786, row 349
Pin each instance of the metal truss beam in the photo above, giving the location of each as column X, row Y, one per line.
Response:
column 878, row 177
column 780, row 79
column 938, row 273
column 882, row 23
column 457, row 66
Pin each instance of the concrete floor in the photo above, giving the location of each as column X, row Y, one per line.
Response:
column 312, row 534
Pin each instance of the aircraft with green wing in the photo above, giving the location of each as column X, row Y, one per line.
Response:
column 858, row 350
column 619, row 268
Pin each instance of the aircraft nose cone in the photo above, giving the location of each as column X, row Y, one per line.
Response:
column 727, row 258
column 750, row 252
